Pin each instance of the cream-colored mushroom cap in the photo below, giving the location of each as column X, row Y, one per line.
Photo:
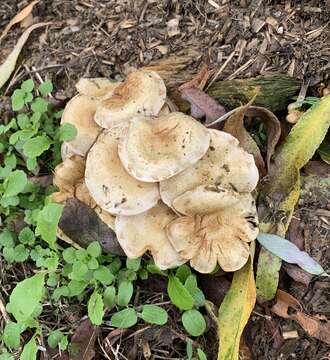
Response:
column 225, row 163
column 140, row 233
column 221, row 237
column 96, row 87
column 67, row 150
column 112, row 188
column 205, row 199
column 79, row 111
column 142, row 93
column 155, row 149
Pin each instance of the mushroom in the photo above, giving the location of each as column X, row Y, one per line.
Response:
column 112, row 188
column 96, row 87
column 221, row 237
column 140, row 233
column 155, row 149
column 225, row 163
column 67, row 150
column 143, row 92
column 79, row 111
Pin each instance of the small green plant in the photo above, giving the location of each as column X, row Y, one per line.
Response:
column 30, row 146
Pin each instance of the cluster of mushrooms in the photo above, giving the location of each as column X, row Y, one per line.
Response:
column 161, row 180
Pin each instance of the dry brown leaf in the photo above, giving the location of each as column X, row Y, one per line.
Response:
column 18, row 18
column 320, row 329
column 83, row 341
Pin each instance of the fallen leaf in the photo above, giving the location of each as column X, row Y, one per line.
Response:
column 8, row 66
column 199, row 80
column 315, row 327
column 235, row 311
column 317, row 168
column 282, row 190
column 296, row 234
column 19, row 17
column 173, row 27
column 298, row 274
column 289, row 252
column 83, row 226
column 235, row 126
column 83, row 341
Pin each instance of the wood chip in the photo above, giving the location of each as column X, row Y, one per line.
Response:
column 290, row 334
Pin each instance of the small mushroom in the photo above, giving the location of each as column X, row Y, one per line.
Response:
column 140, row 233
column 112, row 188
column 142, row 93
column 221, row 237
column 205, row 199
column 155, row 149
column 96, row 87
column 225, row 164
column 79, row 112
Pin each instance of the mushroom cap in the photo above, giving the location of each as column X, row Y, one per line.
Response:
column 205, row 199
column 112, row 188
column 96, row 87
column 142, row 93
column 225, row 163
column 67, row 150
column 140, row 233
column 221, row 237
column 79, row 111
column 154, row 149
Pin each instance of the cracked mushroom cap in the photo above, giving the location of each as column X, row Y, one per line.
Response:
column 96, row 87
column 142, row 93
column 221, row 237
column 225, row 163
column 155, row 149
column 79, row 111
column 146, row 232
column 112, row 188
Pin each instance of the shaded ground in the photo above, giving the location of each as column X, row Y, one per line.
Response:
column 239, row 39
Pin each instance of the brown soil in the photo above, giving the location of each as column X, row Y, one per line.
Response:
column 239, row 39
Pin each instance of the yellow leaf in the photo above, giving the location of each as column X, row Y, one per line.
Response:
column 235, row 311
column 18, row 18
column 8, row 66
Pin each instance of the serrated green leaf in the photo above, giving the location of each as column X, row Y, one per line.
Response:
column 94, row 249
column 11, row 335
column 30, row 350
column 6, row 239
column 92, row 264
column 15, row 183
column 125, row 292
column 79, row 270
column 69, row 255
column 124, row 319
column 26, row 296
column 27, row 85
column 26, row 236
column 133, row 264
column 194, row 322
column 103, row 275
column 46, row 87
column 39, row 105
column 76, row 287
column 95, row 308
column 47, row 222
column 154, row 314
column 36, row 146
column 67, row 132
column 17, row 100
column 21, row 253
column 178, row 294
column 109, row 296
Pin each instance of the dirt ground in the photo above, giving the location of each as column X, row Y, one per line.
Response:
column 239, row 39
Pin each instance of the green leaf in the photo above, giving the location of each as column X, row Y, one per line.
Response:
column 154, row 314
column 6, row 239
column 178, row 294
column 69, row 255
column 53, row 279
column 109, row 296
column 124, row 319
column 26, row 236
column 46, row 87
column 125, row 292
column 67, row 132
column 6, row 356
column 36, row 146
column 9, row 255
column 76, row 287
column 104, row 275
column 64, row 343
column 79, row 270
column 39, row 105
column 54, row 338
column 194, row 322
column 95, row 308
column 59, row 292
column 94, row 249
column 201, row 354
column 17, row 100
column 27, row 85
column 183, row 272
column 133, row 264
column 235, row 311
column 21, row 253
column 189, row 349
column 23, row 121
column 196, row 293
column 15, row 183
column 30, row 350
column 92, row 264
column 47, row 222
column 11, row 335
column 26, row 296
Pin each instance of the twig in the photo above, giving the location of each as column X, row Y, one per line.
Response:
column 3, row 310
column 223, row 66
